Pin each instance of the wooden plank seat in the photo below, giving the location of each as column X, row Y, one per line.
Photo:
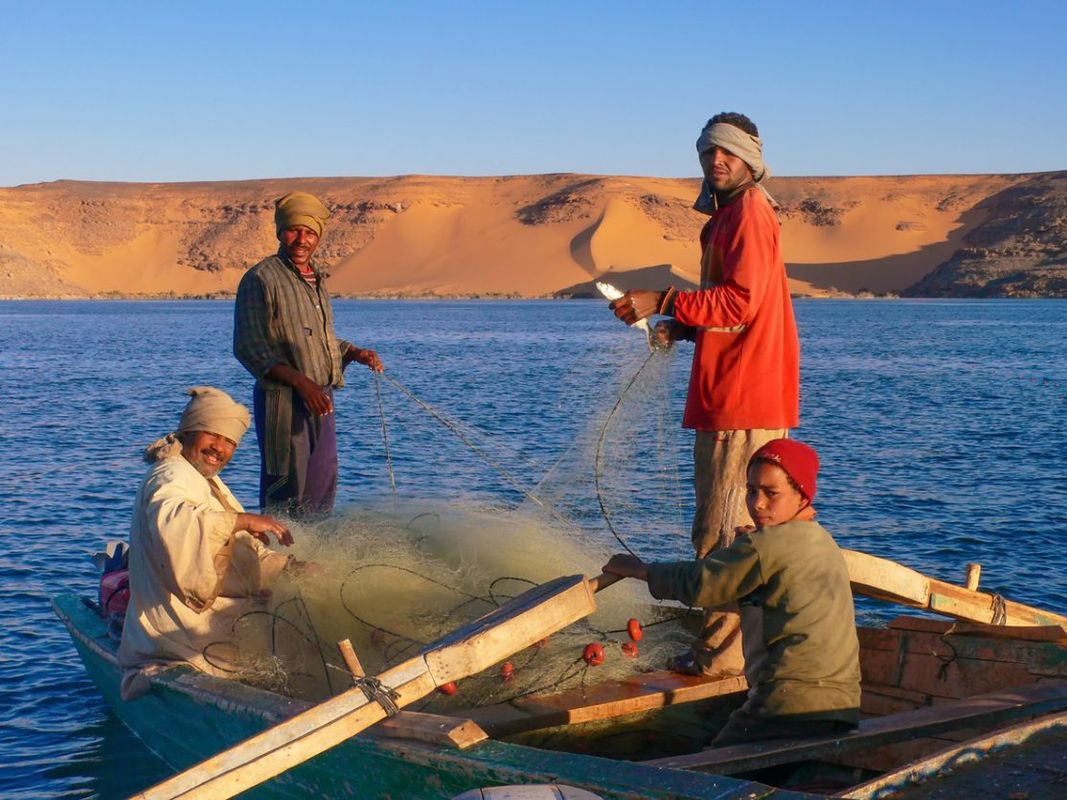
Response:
column 644, row 692
column 433, row 729
column 969, row 712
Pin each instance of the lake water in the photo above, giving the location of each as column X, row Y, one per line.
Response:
column 940, row 425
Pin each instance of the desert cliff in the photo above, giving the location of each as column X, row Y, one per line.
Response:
column 536, row 235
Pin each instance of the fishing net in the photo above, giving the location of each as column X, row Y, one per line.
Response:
column 393, row 583
column 626, row 481
column 395, row 578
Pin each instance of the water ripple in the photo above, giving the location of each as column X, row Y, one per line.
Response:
column 940, row 425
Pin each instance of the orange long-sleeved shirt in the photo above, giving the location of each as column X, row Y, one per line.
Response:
column 746, row 366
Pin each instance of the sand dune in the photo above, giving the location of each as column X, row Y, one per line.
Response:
column 519, row 235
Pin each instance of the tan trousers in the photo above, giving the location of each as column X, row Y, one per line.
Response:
column 720, row 460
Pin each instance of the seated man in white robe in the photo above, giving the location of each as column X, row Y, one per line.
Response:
column 197, row 560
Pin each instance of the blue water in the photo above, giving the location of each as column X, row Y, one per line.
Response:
column 940, row 425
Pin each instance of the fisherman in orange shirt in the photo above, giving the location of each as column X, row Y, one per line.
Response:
column 744, row 388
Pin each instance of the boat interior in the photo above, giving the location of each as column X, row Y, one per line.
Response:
column 935, row 694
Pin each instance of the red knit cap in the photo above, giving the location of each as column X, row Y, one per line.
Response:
column 800, row 462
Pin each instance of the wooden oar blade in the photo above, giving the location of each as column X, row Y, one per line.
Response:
column 883, row 579
column 520, row 623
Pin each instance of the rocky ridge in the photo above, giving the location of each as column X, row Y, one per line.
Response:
column 1019, row 251
column 966, row 236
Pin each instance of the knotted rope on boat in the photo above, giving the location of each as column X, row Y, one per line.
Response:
column 1000, row 610
column 1000, row 617
column 378, row 692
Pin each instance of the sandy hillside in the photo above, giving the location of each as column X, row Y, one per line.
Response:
column 532, row 235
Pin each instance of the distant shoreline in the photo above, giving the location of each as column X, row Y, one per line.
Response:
column 230, row 296
column 452, row 298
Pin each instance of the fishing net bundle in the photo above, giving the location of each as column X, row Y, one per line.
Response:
column 395, row 578
column 393, row 583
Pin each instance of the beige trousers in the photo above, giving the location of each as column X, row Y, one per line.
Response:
column 720, row 460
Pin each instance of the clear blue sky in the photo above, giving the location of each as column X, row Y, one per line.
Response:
column 180, row 91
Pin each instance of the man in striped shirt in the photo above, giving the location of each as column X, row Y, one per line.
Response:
column 283, row 334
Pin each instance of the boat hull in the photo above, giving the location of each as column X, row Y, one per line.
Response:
column 189, row 716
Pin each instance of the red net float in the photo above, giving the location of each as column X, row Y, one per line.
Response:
column 593, row 655
column 633, row 628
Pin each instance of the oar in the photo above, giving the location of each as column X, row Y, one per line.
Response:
column 883, row 579
column 522, row 622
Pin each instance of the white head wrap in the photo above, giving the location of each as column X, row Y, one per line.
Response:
column 210, row 410
column 744, row 145
column 214, row 411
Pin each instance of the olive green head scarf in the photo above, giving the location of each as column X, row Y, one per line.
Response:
column 300, row 208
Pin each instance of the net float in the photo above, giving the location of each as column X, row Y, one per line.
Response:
column 449, row 688
column 507, row 670
column 633, row 628
column 630, row 649
column 593, row 655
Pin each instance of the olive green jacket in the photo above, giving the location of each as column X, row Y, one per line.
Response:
column 797, row 616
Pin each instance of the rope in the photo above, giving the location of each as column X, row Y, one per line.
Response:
column 275, row 618
column 407, row 642
column 362, row 621
column 443, row 585
column 600, row 452
column 378, row 692
column 492, row 587
column 312, row 638
column 1000, row 610
column 946, row 662
column 299, row 598
column 385, row 435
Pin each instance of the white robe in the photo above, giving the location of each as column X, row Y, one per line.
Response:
column 191, row 577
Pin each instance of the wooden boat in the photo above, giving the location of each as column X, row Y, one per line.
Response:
column 937, row 696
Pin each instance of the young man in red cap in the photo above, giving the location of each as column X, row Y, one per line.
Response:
column 797, row 616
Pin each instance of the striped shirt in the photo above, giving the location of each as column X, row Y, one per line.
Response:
column 280, row 318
